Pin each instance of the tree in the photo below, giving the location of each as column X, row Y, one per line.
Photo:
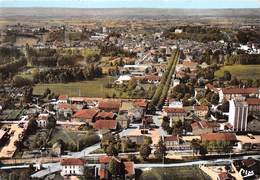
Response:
column 227, row 76
column 145, row 151
column 160, row 151
column 111, row 150
column 32, row 126
column 195, row 144
column 113, row 167
column 117, row 168
column 215, row 99
column 51, row 122
column 203, row 150
column 225, row 106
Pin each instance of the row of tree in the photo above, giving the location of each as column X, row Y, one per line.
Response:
column 162, row 90
column 65, row 74
column 9, row 69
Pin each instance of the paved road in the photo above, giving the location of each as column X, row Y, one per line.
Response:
column 157, row 122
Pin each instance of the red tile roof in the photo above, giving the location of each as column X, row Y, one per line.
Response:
column 200, row 125
column 72, row 161
column 171, row 138
column 105, row 115
column 67, row 106
column 218, row 137
column 253, row 101
column 104, row 159
column 141, row 103
column 174, row 110
column 109, row 105
column 240, row 90
column 105, row 124
column 63, row 97
column 201, row 108
column 86, row 113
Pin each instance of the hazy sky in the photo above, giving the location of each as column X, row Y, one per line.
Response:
column 133, row 3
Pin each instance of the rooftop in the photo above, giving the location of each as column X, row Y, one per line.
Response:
column 72, row 161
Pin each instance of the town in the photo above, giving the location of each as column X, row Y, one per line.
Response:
column 129, row 99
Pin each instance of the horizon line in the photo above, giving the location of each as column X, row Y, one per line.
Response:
column 40, row 7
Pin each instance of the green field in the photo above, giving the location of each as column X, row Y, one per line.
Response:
column 241, row 71
column 177, row 173
column 93, row 88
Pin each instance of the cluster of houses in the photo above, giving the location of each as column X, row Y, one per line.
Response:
column 103, row 114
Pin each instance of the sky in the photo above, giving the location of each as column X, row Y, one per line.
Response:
column 193, row 4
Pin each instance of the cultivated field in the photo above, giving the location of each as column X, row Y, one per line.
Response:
column 241, row 71
column 177, row 173
column 93, row 88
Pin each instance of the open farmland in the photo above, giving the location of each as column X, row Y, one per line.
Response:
column 179, row 173
column 241, row 71
column 93, row 88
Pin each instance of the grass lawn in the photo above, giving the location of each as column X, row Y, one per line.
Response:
column 66, row 136
column 241, row 71
column 94, row 88
column 176, row 173
column 10, row 114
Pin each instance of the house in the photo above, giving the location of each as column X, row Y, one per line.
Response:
column 233, row 92
column 253, row 106
column 63, row 99
column 132, row 110
column 150, row 79
column 105, row 116
column 174, row 103
column 42, row 120
column 190, row 64
column 137, row 70
column 123, row 121
column 122, row 79
column 85, row 115
column 138, row 139
column 178, row 31
column 201, row 111
column 103, row 171
column 141, row 103
column 72, row 167
column 105, row 125
column 171, row 141
column 238, row 113
column 66, row 110
column 201, row 127
column 174, row 113
column 224, row 137
column 109, row 105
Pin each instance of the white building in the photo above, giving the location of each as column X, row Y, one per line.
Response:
column 238, row 112
column 178, row 31
column 137, row 70
column 72, row 167
column 123, row 78
column 42, row 120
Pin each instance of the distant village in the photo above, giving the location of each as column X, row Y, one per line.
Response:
column 167, row 100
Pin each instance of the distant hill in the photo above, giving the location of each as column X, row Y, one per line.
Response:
column 66, row 13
